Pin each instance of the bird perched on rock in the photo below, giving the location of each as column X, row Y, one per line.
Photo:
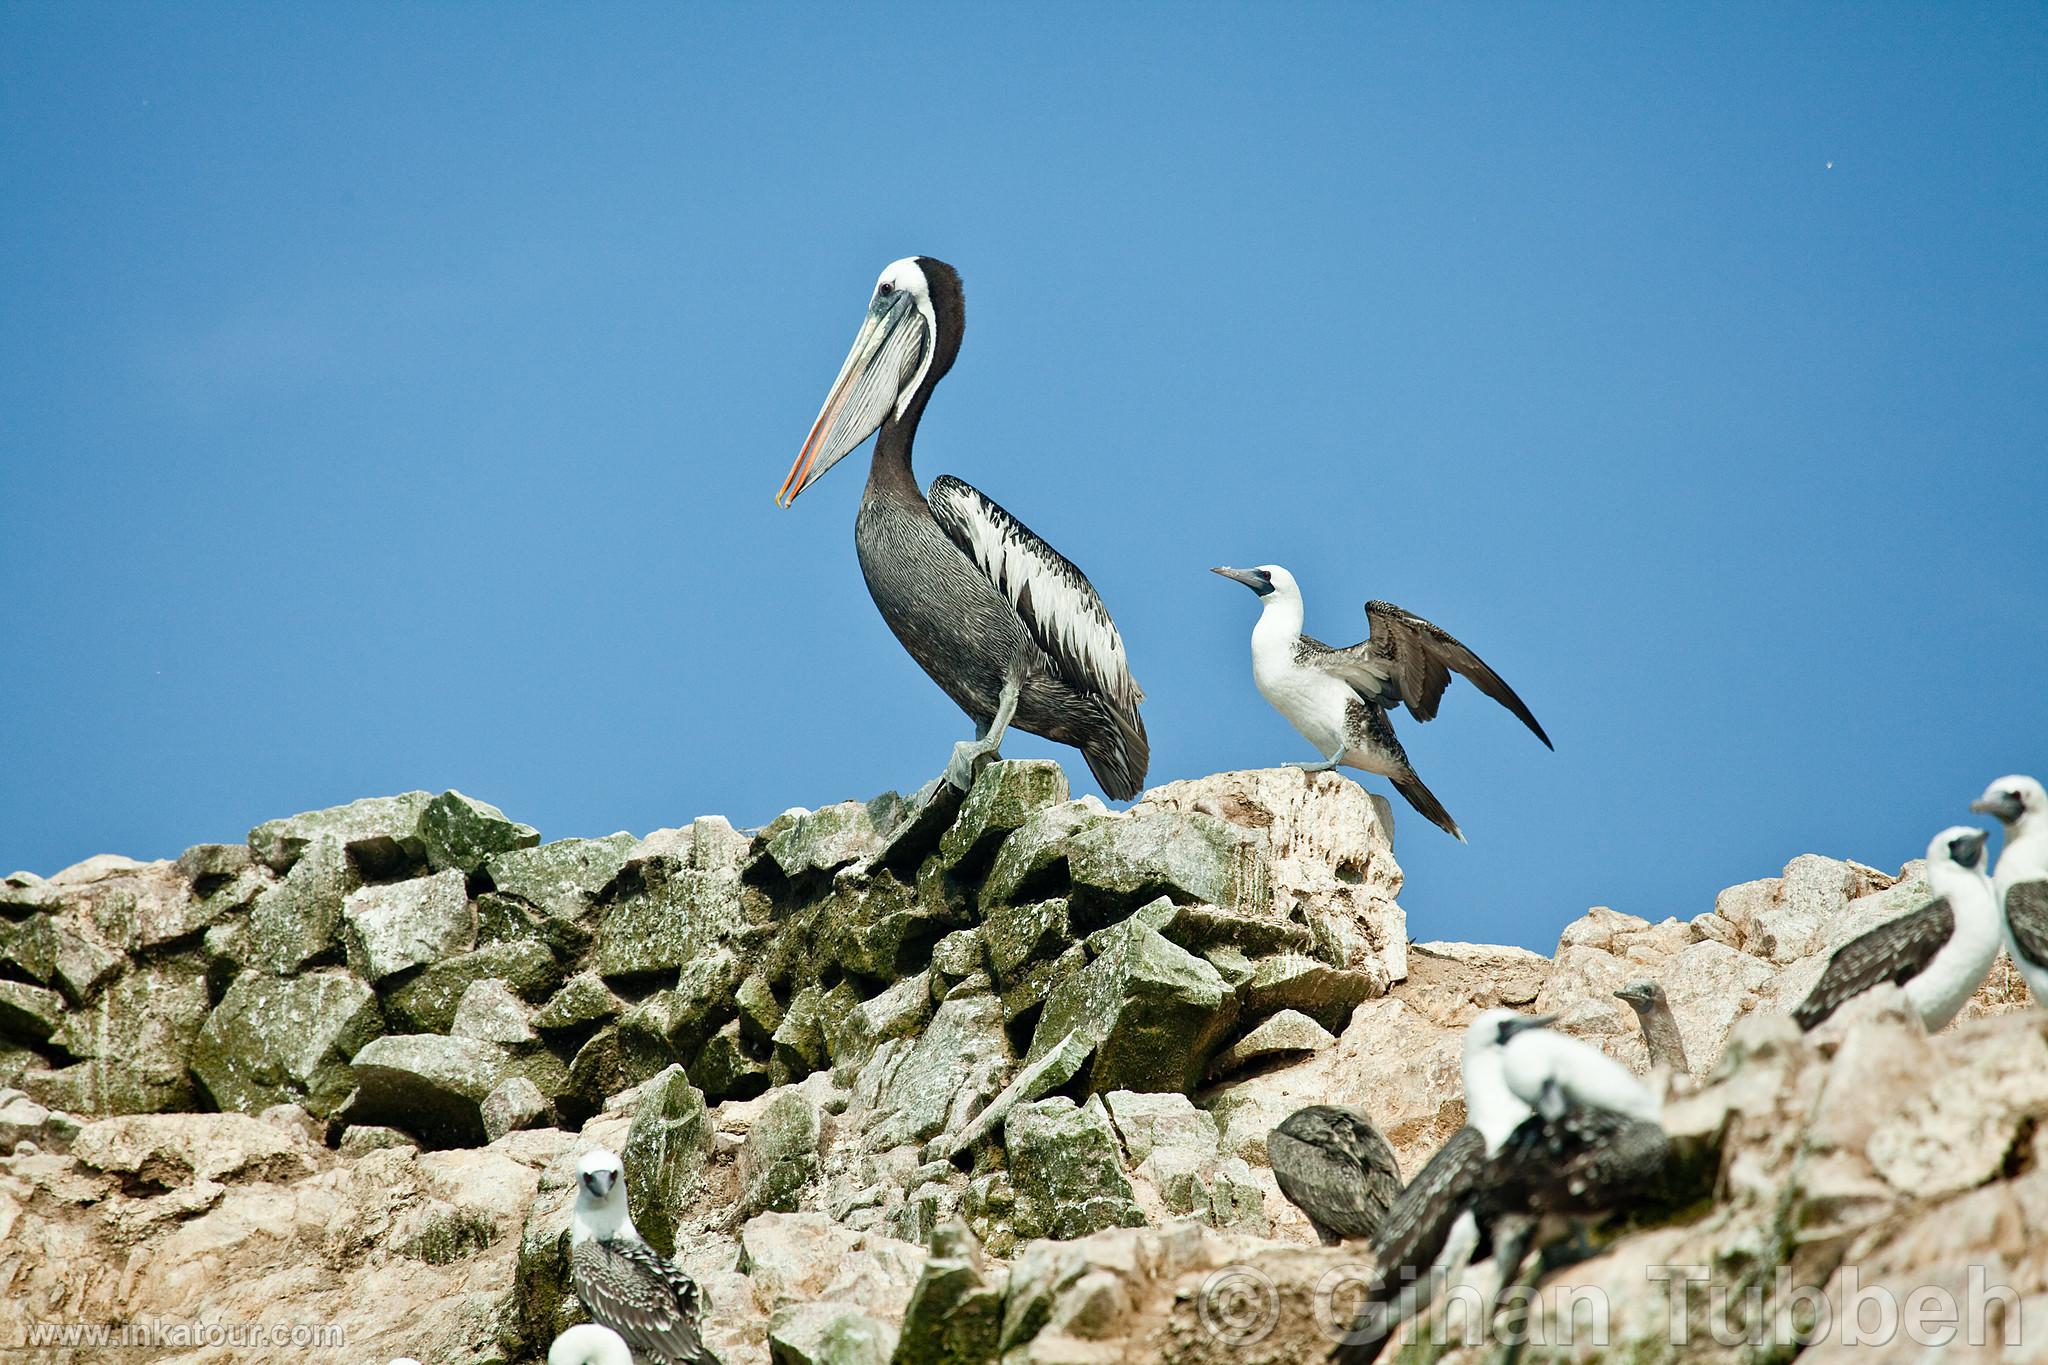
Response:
column 2021, row 882
column 590, row 1343
column 1338, row 698
column 1337, row 1168
column 1660, row 1026
column 624, row 1283
column 1940, row 952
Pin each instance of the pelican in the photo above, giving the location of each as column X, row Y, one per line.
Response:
column 1002, row 622
column 1339, row 698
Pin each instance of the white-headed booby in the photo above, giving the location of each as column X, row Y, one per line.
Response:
column 590, row 1343
column 2021, row 882
column 1339, row 698
column 1940, row 953
column 1660, row 1026
column 624, row 1283
column 1336, row 1167
column 1004, row 623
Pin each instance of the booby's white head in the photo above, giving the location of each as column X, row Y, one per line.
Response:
column 905, row 345
column 1550, row 1071
column 1490, row 1106
column 1956, row 866
column 2019, row 803
column 600, row 1198
column 590, row 1343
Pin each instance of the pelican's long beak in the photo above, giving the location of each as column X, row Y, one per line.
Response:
column 887, row 351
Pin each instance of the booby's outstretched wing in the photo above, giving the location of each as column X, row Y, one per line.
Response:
column 2026, row 912
column 635, row 1291
column 1407, row 661
column 1894, row 951
column 1058, row 603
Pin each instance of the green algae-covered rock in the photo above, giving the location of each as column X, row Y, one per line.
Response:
column 514, row 1104
column 726, row 1069
column 382, row 833
column 1004, row 797
column 780, row 1156
column 671, row 1026
column 430, row 1085
column 1156, row 1011
column 1032, row 863
column 828, row 1334
column 680, row 917
column 396, row 926
column 490, row 1011
column 1292, row 982
column 665, row 1153
column 135, row 1043
column 461, row 833
column 285, row 1041
column 824, row 840
column 1018, row 935
column 427, row 1003
column 30, row 947
column 760, row 1012
column 1118, row 864
column 29, row 1014
column 299, row 919
column 875, row 930
column 940, row 1079
column 582, row 1000
column 956, row 1311
column 898, row 1012
column 959, row 955
column 562, row 878
column 597, row 1072
column 797, row 1047
column 1067, row 1171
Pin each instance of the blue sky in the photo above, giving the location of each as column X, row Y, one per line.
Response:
column 393, row 397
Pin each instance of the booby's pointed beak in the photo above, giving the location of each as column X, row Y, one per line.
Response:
column 2002, row 806
column 1245, row 576
column 1968, row 849
column 887, row 351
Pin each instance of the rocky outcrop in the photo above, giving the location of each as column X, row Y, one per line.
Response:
column 961, row 1079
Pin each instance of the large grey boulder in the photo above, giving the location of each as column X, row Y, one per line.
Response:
column 1118, row 865
column 461, row 833
column 396, row 926
column 582, row 1001
column 665, row 1153
column 916, row 1089
column 29, row 1014
column 781, row 1154
column 1031, row 864
column 427, row 1003
column 299, row 919
column 134, row 1043
column 956, row 1312
column 276, row 1041
column 1003, row 798
column 1155, row 1011
column 382, row 833
column 563, row 878
column 514, row 1104
column 682, row 914
column 822, row 841
column 1067, row 1170
column 430, row 1085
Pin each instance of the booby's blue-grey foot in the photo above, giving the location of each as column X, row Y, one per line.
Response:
column 1328, row 765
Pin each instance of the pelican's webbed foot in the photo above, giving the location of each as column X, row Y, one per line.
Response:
column 970, row 756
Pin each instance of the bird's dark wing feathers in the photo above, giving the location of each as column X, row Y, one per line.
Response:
column 1409, row 661
column 1058, row 604
column 2026, row 912
column 632, row 1289
column 1894, row 951
column 1413, row 1232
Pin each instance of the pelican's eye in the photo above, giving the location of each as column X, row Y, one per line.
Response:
column 886, row 290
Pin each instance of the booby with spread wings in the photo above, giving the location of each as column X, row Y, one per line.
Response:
column 1338, row 698
column 1940, row 952
column 1001, row 621
column 2021, row 881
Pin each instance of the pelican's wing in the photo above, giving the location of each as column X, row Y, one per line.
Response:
column 2026, row 913
column 632, row 1289
column 1408, row 661
column 1058, row 603
column 1894, row 951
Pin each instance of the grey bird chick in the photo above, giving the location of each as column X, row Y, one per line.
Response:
column 1337, row 1168
column 1660, row 1026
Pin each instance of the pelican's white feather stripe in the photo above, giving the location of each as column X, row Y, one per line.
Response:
column 1056, row 600
column 908, row 277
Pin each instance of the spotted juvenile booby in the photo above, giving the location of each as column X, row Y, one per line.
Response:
column 2021, row 882
column 1940, row 953
column 1337, row 1168
column 1001, row 621
column 624, row 1283
column 1339, row 698
column 1443, row 1217
column 590, row 1343
column 1660, row 1027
